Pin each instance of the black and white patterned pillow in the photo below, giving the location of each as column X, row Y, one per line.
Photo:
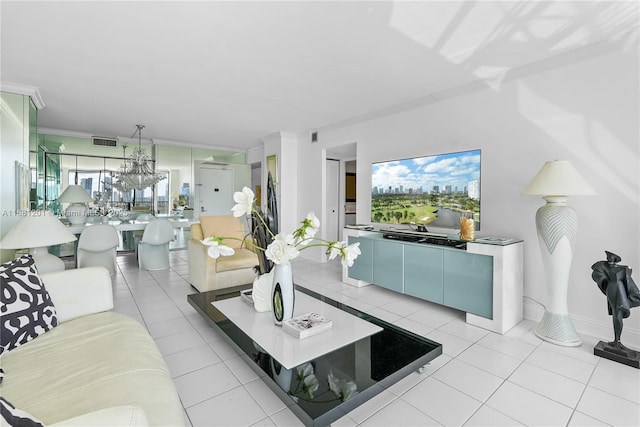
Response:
column 26, row 310
column 11, row 416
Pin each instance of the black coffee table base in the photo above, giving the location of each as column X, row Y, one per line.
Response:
column 360, row 370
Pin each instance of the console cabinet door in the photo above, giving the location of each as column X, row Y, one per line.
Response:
column 362, row 268
column 423, row 272
column 468, row 282
column 388, row 265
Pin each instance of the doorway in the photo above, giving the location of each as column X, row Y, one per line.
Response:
column 340, row 155
column 215, row 191
column 333, row 200
column 350, row 192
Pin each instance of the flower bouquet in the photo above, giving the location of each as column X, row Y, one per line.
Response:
column 308, row 385
column 283, row 247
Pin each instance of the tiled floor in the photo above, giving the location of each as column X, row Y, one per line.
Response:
column 482, row 378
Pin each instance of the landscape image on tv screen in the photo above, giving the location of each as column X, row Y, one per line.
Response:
column 432, row 190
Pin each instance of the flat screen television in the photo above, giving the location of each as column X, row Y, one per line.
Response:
column 429, row 191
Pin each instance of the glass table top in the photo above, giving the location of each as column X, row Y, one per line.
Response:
column 324, row 389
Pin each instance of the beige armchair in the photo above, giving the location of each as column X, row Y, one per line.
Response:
column 206, row 273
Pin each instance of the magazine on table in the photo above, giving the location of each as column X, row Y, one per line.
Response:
column 496, row 240
column 306, row 325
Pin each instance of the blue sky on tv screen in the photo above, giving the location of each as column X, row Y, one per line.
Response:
column 454, row 169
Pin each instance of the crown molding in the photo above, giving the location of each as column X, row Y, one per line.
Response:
column 199, row 145
column 29, row 91
column 59, row 132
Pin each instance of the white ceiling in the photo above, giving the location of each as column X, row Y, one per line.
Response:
column 226, row 74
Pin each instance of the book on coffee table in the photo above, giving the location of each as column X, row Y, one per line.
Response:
column 495, row 240
column 307, row 325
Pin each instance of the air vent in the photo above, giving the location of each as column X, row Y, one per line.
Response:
column 314, row 136
column 104, row 142
column 214, row 163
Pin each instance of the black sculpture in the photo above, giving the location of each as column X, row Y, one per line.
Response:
column 263, row 232
column 616, row 283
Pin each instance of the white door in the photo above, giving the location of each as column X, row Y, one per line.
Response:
column 332, row 223
column 215, row 191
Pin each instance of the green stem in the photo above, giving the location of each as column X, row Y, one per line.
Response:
column 250, row 242
column 253, row 210
column 326, row 244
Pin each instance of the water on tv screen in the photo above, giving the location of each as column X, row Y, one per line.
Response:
column 427, row 191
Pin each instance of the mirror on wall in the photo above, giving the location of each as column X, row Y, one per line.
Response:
column 57, row 161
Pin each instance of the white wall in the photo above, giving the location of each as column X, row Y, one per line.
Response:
column 586, row 112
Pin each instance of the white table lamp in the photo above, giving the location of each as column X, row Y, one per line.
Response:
column 556, row 223
column 78, row 197
column 37, row 230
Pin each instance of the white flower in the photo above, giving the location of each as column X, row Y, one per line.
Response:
column 334, row 384
column 216, row 248
column 335, row 249
column 282, row 249
column 349, row 389
column 345, row 390
column 244, row 202
column 350, row 253
column 310, row 384
column 305, row 369
column 307, row 230
column 308, row 379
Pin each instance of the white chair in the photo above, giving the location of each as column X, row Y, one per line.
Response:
column 153, row 249
column 97, row 247
column 137, row 234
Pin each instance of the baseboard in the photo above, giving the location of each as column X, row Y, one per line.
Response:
column 584, row 325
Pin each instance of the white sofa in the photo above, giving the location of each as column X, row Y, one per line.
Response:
column 97, row 367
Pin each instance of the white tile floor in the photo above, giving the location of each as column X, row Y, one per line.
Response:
column 482, row 378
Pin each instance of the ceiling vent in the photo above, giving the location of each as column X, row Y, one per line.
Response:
column 214, row 163
column 104, row 142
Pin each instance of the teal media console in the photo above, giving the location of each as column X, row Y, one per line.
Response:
column 485, row 280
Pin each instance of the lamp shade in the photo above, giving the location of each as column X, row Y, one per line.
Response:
column 37, row 229
column 75, row 194
column 558, row 178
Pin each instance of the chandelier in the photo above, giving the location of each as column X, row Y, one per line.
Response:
column 137, row 170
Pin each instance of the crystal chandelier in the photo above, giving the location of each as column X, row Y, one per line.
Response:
column 120, row 184
column 137, row 171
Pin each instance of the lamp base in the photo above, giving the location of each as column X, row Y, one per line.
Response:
column 45, row 262
column 558, row 329
column 77, row 213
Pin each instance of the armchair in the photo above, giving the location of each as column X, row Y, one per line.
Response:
column 206, row 273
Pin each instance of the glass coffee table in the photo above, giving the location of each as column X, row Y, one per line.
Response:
column 323, row 377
